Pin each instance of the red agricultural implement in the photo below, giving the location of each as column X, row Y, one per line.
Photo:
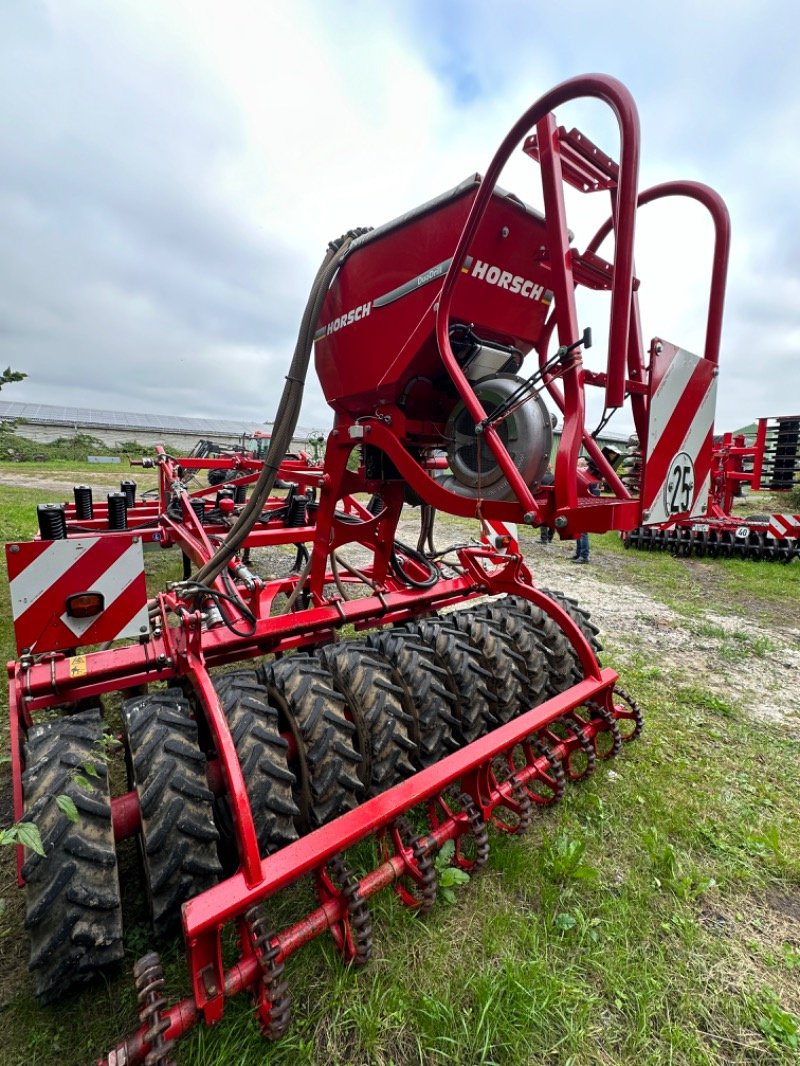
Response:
column 260, row 745
column 769, row 462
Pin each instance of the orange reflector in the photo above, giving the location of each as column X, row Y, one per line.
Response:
column 85, row 604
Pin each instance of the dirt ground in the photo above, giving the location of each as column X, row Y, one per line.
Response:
column 766, row 683
column 764, row 679
column 105, row 479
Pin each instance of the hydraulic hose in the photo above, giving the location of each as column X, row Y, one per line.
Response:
column 288, row 411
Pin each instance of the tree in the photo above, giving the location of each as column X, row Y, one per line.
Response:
column 9, row 375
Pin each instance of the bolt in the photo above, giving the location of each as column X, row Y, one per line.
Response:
column 659, row 348
column 529, row 518
column 504, row 232
column 646, row 513
column 142, row 629
column 13, row 548
column 561, row 522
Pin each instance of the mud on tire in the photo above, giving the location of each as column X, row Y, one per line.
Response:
column 168, row 770
column 325, row 766
column 584, row 622
column 522, row 637
column 262, row 755
column 466, row 677
column 73, row 907
column 502, row 662
column 424, row 693
column 364, row 678
column 557, row 649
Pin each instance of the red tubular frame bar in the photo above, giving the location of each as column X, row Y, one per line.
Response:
column 619, row 99
column 715, row 205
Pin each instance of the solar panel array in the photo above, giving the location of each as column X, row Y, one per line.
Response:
column 93, row 418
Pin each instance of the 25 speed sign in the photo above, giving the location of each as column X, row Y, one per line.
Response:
column 679, row 486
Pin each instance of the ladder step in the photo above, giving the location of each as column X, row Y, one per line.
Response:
column 594, row 272
column 583, row 164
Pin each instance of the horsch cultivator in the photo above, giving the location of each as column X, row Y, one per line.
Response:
column 260, row 746
column 770, row 462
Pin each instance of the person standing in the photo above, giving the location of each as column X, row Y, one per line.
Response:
column 546, row 533
column 593, row 488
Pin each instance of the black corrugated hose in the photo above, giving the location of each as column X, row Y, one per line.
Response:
column 288, row 411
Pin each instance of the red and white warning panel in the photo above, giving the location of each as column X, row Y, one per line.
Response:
column 502, row 536
column 784, row 526
column 72, row 593
column 680, row 435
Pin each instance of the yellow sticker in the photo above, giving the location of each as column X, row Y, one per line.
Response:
column 77, row 666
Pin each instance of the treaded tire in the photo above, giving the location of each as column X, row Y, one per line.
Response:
column 583, row 620
column 524, row 640
column 504, row 665
column 424, row 693
column 73, row 904
column 466, row 677
column 557, row 649
column 326, row 763
column 168, row 770
column 364, row 678
column 262, row 753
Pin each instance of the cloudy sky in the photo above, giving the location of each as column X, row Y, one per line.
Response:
column 171, row 173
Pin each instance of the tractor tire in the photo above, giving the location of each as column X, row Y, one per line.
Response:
column 424, row 693
column 583, row 620
column 527, row 644
column 326, row 762
column 558, row 650
column 218, row 476
column 383, row 729
column 466, row 677
column 168, row 770
column 262, row 754
column 505, row 666
column 73, row 906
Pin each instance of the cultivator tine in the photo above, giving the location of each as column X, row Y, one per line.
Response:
column 352, row 932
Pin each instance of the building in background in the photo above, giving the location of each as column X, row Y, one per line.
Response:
column 43, row 423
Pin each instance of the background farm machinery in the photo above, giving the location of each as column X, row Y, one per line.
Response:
column 767, row 462
column 259, row 745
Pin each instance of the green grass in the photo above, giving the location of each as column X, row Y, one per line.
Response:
column 652, row 917
column 764, row 591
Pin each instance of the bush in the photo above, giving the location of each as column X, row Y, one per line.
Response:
column 16, row 448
